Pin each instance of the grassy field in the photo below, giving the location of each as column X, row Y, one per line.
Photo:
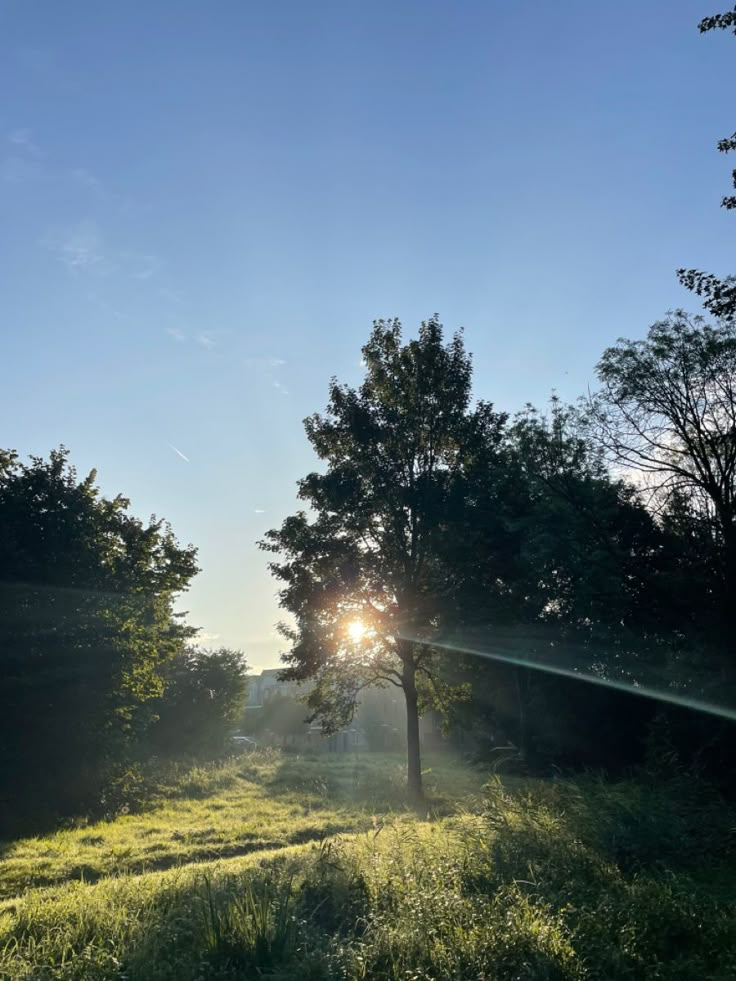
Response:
column 281, row 867
column 252, row 804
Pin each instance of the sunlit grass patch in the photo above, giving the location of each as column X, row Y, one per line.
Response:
column 551, row 880
column 262, row 801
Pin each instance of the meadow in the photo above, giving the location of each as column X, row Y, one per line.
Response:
column 283, row 867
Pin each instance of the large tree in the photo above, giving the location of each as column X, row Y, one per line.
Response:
column 202, row 703
column 569, row 580
column 86, row 622
column 666, row 411
column 363, row 573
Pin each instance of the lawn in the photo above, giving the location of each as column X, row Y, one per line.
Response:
column 282, row 867
column 251, row 804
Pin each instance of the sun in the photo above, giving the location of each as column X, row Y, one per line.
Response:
column 356, row 630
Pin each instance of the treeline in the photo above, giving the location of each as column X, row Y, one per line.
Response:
column 531, row 576
column 493, row 562
column 622, row 524
column 99, row 673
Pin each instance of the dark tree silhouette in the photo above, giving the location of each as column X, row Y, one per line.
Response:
column 86, row 621
column 667, row 410
column 569, row 573
column 201, row 704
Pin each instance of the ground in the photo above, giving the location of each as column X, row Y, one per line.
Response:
column 253, row 804
column 283, row 867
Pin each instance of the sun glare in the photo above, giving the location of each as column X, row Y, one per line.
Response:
column 356, row 630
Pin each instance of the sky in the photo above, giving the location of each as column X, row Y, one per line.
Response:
column 204, row 206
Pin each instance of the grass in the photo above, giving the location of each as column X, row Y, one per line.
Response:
column 249, row 804
column 319, row 871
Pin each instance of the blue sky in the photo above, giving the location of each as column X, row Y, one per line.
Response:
column 203, row 207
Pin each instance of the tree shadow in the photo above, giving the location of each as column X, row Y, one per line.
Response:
column 523, row 885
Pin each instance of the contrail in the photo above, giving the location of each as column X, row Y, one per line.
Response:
column 178, row 453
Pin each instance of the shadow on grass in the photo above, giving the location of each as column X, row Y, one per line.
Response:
column 90, row 874
column 553, row 881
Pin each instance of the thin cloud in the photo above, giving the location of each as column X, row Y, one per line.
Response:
column 142, row 266
column 106, row 307
column 206, row 340
column 171, row 295
column 87, row 180
column 16, row 170
column 264, row 362
column 79, row 248
column 268, row 368
column 176, row 334
column 179, row 453
column 21, row 138
column 206, row 638
column 84, row 180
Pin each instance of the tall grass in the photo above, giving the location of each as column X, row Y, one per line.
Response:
column 249, row 804
column 253, row 926
column 572, row 880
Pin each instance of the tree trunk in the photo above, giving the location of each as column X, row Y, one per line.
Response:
column 413, row 756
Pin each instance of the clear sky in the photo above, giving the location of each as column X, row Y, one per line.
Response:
column 203, row 206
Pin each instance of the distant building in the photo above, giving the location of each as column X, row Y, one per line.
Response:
column 263, row 686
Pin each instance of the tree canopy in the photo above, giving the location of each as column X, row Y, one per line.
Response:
column 666, row 411
column 363, row 575
column 201, row 704
column 86, row 621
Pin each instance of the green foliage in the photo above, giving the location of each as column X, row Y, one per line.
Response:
column 86, row 621
column 202, row 703
column 589, row 546
column 571, row 574
column 253, row 928
column 667, row 409
column 719, row 22
column 446, row 531
column 392, row 491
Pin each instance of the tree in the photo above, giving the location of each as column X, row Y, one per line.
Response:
column 719, row 295
column 202, row 702
column 666, row 410
column 591, row 550
column 363, row 576
column 86, row 621
column 569, row 582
